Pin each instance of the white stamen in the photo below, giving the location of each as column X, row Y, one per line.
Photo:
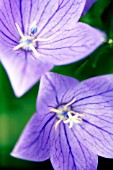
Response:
column 73, row 119
column 19, row 46
column 55, row 110
column 19, row 30
column 81, row 115
column 69, row 117
column 24, row 41
column 71, row 102
column 58, row 122
column 34, row 50
column 69, row 120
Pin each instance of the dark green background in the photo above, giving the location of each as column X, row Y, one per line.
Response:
column 15, row 112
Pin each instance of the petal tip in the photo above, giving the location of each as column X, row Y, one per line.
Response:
column 15, row 155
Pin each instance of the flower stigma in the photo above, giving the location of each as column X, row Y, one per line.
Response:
column 66, row 115
column 29, row 42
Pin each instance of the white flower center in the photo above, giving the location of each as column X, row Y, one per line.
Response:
column 66, row 115
column 29, row 42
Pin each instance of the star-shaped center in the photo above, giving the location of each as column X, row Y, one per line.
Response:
column 29, row 42
column 67, row 115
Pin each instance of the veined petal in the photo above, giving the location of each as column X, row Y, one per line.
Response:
column 88, row 4
column 11, row 12
column 23, row 71
column 67, row 153
column 57, row 15
column 71, row 44
column 35, row 141
column 47, row 15
column 94, row 98
column 39, row 141
column 16, row 19
column 53, row 88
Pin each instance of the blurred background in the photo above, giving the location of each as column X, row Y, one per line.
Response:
column 15, row 112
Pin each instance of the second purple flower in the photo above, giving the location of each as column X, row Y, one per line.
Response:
column 73, row 123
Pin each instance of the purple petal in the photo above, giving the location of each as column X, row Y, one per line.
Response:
column 94, row 98
column 54, row 16
column 39, row 141
column 23, row 72
column 12, row 12
column 67, row 153
column 52, row 91
column 71, row 44
column 47, row 14
column 34, row 143
column 21, row 66
column 88, row 5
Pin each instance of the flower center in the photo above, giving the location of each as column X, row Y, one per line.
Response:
column 64, row 112
column 29, row 42
column 66, row 115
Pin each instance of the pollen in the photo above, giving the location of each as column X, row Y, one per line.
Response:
column 33, row 30
column 66, row 115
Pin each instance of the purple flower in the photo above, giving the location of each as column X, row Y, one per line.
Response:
column 88, row 4
column 72, row 125
column 36, row 34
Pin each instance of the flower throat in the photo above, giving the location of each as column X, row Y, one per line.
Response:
column 66, row 115
column 29, row 42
